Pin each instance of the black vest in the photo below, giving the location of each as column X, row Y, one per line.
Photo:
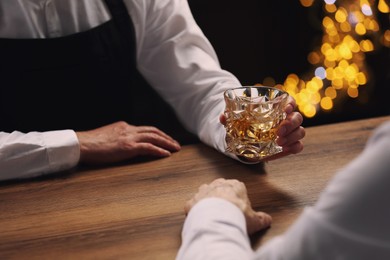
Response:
column 81, row 81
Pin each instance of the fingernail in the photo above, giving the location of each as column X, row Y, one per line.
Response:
column 166, row 153
column 177, row 145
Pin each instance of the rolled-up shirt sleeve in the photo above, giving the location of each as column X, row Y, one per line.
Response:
column 215, row 229
column 26, row 155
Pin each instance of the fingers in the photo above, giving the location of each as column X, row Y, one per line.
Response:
column 201, row 194
column 148, row 149
column 256, row 221
column 156, row 139
column 292, row 121
column 291, row 104
column 291, row 143
column 239, row 188
column 294, row 136
column 290, row 134
column 293, row 148
column 230, row 190
column 120, row 141
column 148, row 141
column 234, row 191
column 151, row 129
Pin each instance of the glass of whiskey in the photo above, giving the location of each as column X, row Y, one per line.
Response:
column 253, row 115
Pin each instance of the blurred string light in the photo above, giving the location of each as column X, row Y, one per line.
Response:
column 350, row 29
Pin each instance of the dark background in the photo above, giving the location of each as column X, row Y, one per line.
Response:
column 255, row 39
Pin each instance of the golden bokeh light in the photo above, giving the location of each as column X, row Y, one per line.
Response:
column 353, row 92
column 366, row 45
column 331, row 92
column 330, row 8
column 385, row 39
column 339, row 62
column 383, row 7
column 306, row 3
column 360, row 29
column 341, row 15
column 326, row 103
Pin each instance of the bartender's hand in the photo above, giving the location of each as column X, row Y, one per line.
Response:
column 120, row 141
column 235, row 192
column 290, row 132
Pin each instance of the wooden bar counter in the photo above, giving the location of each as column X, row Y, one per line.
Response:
column 135, row 210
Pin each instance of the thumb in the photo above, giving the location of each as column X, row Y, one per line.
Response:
column 222, row 119
column 256, row 221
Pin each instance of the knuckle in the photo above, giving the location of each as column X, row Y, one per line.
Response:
column 127, row 145
column 121, row 124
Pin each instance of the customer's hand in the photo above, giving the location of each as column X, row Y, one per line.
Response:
column 120, row 141
column 235, row 192
column 290, row 132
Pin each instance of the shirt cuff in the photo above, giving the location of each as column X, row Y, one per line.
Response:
column 63, row 149
column 209, row 211
column 215, row 229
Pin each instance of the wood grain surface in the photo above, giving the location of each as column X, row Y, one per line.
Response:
column 135, row 210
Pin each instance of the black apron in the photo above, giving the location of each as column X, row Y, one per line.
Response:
column 81, row 81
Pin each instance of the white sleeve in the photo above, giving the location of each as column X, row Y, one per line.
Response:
column 179, row 62
column 25, row 155
column 215, row 229
column 351, row 218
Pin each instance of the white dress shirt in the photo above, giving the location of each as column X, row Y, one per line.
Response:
column 349, row 221
column 172, row 54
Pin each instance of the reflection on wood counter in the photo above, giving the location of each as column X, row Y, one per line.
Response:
column 135, row 210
